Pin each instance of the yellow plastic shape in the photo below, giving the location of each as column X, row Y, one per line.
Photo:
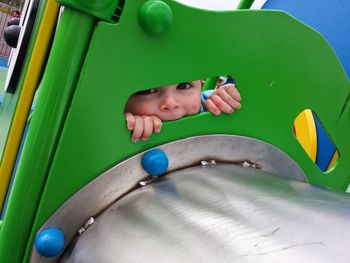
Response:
column 305, row 132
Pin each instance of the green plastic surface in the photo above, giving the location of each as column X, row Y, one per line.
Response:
column 280, row 66
column 102, row 9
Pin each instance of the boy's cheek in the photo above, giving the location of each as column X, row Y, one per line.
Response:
column 196, row 108
column 140, row 108
column 130, row 105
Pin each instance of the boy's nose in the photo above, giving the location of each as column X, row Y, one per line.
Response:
column 169, row 103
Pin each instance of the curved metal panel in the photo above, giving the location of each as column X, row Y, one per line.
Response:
column 220, row 213
column 124, row 177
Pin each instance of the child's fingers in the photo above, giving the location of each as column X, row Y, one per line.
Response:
column 147, row 127
column 221, row 104
column 130, row 121
column 157, row 123
column 138, row 129
column 226, row 97
column 233, row 91
column 210, row 106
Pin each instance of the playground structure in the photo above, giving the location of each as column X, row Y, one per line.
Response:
column 77, row 158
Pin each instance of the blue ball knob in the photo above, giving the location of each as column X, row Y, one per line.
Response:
column 155, row 162
column 50, row 242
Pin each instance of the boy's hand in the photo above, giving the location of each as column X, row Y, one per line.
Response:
column 225, row 99
column 142, row 126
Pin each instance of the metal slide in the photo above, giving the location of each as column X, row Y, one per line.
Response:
column 211, row 212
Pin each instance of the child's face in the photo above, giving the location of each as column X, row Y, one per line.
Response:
column 167, row 103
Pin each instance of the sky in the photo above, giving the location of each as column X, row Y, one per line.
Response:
column 219, row 4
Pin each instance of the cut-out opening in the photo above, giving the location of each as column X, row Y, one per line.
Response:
column 172, row 102
column 315, row 140
column 146, row 109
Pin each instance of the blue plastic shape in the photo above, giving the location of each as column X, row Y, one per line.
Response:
column 329, row 17
column 155, row 162
column 325, row 147
column 50, row 242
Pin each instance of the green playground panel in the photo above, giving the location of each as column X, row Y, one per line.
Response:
column 281, row 67
column 277, row 74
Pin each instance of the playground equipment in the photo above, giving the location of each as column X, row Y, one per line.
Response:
column 236, row 186
column 315, row 140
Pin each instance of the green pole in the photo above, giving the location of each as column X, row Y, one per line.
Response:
column 57, row 87
column 245, row 4
column 210, row 83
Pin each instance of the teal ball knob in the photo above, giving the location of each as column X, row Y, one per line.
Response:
column 155, row 16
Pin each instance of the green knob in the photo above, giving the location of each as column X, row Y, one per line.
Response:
column 155, row 16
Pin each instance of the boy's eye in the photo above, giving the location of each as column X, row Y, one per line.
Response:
column 147, row 91
column 184, row 85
